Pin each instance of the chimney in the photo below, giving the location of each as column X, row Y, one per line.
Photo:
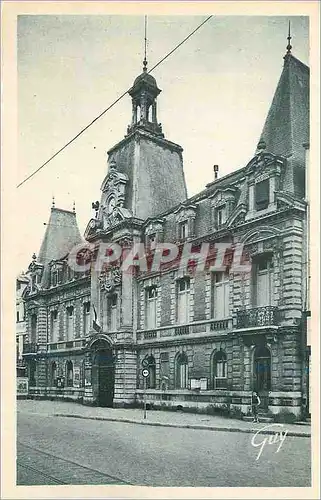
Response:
column 215, row 168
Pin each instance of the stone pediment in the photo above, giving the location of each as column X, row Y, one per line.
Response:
column 185, row 211
column 260, row 233
column 117, row 216
column 113, row 179
column 238, row 215
column 223, row 195
column 264, row 162
column 285, row 200
column 154, row 225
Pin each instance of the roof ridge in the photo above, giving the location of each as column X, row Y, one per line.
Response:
column 63, row 210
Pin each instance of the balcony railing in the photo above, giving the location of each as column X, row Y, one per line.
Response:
column 181, row 330
column 30, row 348
column 258, row 316
column 197, row 327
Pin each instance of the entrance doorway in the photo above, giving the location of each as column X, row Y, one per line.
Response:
column 102, row 374
column 262, row 374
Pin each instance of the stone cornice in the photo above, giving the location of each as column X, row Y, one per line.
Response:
column 139, row 133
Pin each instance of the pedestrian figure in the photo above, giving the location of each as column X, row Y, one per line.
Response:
column 255, row 404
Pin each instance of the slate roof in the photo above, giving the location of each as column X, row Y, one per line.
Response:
column 62, row 233
column 286, row 128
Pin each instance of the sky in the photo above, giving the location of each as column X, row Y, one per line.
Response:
column 216, row 92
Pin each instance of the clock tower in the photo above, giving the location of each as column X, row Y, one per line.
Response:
column 144, row 179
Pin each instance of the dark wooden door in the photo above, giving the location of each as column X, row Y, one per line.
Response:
column 262, row 374
column 105, row 375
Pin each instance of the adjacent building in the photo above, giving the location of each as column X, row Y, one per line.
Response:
column 208, row 337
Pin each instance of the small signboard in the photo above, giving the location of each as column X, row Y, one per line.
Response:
column 22, row 386
column 145, row 372
column 145, row 363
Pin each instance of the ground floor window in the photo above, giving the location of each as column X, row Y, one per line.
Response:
column 53, row 375
column 151, row 379
column 219, row 370
column 181, row 371
column 69, row 374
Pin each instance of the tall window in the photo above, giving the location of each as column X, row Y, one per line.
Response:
column 70, row 273
column 151, row 379
column 183, row 300
column 86, row 317
column 54, row 277
column 53, row 373
column 262, row 194
column 219, row 370
column 151, row 241
column 70, row 323
column 164, row 370
column 33, row 325
column 181, row 371
column 183, row 230
column 221, row 295
column 220, row 216
column 263, row 280
column 69, row 374
column 151, row 307
column 112, row 312
column 54, row 326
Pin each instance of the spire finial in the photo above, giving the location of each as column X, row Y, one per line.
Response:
column 74, row 207
column 289, row 46
column 145, row 46
column 53, row 202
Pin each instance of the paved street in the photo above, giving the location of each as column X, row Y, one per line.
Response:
column 61, row 450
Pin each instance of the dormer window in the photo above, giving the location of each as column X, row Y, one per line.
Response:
column 54, row 277
column 183, row 230
column 185, row 222
column 262, row 197
column 153, row 234
column 220, row 216
column 151, row 241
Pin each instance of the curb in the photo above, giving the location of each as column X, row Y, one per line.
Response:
column 183, row 426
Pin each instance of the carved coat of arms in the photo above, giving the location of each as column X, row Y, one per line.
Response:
column 110, row 278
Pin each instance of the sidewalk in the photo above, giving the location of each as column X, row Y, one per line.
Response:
column 157, row 418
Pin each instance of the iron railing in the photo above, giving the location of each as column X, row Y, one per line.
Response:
column 258, row 316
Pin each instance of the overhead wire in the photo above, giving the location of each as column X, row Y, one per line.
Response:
column 111, row 105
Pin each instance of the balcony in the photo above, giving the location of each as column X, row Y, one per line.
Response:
column 258, row 316
column 30, row 348
column 204, row 327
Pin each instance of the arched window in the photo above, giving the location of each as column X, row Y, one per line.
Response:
column 53, row 375
column 181, row 371
column 151, row 380
column 69, row 374
column 219, row 370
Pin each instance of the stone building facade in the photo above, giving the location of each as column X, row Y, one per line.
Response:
column 208, row 337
